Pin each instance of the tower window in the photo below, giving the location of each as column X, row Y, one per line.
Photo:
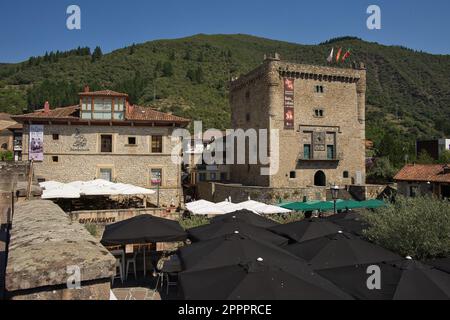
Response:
column 346, row 174
column 247, row 117
column 293, row 175
column 55, row 159
column 55, row 136
column 319, row 89
column 318, row 113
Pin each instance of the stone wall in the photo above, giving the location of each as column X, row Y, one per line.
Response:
column 44, row 246
column 217, row 192
column 366, row 192
column 129, row 163
column 257, row 101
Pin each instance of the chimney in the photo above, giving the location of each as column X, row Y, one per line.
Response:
column 86, row 89
column 47, row 107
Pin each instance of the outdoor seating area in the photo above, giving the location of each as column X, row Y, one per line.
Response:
column 207, row 208
column 95, row 195
column 245, row 256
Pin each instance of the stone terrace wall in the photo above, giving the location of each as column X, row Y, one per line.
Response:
column 217, row 192
column 44, row 243
column 104, row 217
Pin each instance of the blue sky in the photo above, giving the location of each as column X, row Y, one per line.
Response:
column 30, row 28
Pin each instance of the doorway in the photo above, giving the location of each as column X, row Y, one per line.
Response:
column 320, row 180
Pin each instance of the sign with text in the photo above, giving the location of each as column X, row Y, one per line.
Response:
column 36, row 143
column 289, row 103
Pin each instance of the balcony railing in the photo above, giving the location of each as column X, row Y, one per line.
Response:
column 336, row 157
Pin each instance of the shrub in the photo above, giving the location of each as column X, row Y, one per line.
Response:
column 6, row 156
column 193, row 221
column 416, row 227
column 288, row 218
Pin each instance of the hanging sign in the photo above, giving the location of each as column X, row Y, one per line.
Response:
column 289, row 103
column 36, row 143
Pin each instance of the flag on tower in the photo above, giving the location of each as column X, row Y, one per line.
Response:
column 338, row 56
column 346, row 55
column 330, row 58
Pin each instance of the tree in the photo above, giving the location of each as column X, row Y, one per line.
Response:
column 382, row 171
column 416, row 227
column 199, row 77
column 167, row 69
column 445, row 157
column 188, row 56
column 190, row 75
column 132, row 49
column 97, row 54
column 425, row 158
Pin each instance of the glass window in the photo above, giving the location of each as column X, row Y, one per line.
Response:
column 213, row 176
column 132, row 140
column 307, row 151
column 156, row 177
column 346, row 174
column 157, row 144
column 106, row 143
column 330, row 153
column 201, row 176
column 106, row 174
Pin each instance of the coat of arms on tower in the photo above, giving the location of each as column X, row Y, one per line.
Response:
column 80, row 143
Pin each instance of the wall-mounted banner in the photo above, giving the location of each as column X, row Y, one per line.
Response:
column 36, row 143
column 289, row 103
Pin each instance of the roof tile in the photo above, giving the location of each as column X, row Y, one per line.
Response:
column 423, row 173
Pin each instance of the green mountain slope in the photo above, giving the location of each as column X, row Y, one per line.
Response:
column 408, row 92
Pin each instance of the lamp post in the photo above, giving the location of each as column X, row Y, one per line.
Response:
column 335, row 193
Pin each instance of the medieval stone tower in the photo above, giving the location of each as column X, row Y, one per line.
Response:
column 320, row 115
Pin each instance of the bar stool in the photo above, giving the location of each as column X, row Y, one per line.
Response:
column 118, row 265
column 131, row 261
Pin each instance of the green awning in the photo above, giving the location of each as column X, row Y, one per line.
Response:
column 329, row 205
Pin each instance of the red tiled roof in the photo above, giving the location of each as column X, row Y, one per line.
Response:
column 103, row 93
column 139, row 113
column 133, row 113
column 6, row 117
column 423, row 173
column 65, row 113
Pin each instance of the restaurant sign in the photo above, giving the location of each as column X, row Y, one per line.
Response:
column 289, row 103
column 36, row 145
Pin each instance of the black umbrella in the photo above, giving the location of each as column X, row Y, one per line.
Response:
column 399, row 280
column 216, row 230
column 340, row 250
column 247, row 217
column 305, row 230
column 256, row 281
column 233, row 250
column 143, row 229
column 350, row 222
column 441, row 264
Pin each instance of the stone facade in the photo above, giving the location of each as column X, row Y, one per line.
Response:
column 130, row 164
column 257, row 101
column 218, row 192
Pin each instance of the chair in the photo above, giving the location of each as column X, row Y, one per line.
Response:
column 131, row 261
column 118, row 265
column 170, row 283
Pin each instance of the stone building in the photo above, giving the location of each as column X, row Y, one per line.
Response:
column 320, row 115
column 415, row 180
column 10, row 136
column 105, row 137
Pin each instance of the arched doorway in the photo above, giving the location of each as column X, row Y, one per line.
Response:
column 320, row 180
